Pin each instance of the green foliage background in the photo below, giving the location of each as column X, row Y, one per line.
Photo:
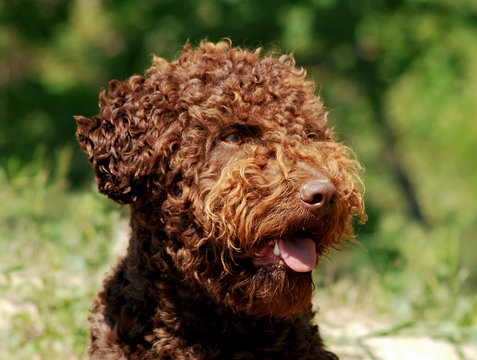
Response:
column 398, row 76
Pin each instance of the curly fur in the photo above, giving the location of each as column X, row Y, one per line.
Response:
column 203, row 207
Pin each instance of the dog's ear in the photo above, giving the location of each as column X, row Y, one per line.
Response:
column 123, row 141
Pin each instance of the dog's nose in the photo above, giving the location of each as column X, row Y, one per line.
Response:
column 318, row 195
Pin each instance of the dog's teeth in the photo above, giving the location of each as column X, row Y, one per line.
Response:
column 276, row 250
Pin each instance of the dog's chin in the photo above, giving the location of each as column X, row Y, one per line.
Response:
column 272, row 290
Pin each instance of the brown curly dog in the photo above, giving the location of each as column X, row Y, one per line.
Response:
column 236, row 188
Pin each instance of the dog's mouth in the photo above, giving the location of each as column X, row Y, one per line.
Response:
column 297, row 251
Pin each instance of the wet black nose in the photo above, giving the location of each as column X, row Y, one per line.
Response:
column 318, row 195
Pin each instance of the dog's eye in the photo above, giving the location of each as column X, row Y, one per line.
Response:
column 233, row 139
column 313, row 136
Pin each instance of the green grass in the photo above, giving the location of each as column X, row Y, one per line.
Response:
column 56, row 245
column 411, row 274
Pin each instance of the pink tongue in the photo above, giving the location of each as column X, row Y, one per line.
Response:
column 299, row 253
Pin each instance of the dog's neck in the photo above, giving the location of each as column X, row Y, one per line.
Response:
column 148, row 297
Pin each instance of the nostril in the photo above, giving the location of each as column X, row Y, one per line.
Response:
column 317, row 199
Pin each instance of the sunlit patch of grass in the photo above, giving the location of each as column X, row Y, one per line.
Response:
column 407, row 272
column 55, row 246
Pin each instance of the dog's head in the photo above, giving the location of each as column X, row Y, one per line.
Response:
column 225, row 157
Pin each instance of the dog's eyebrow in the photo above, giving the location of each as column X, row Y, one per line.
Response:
column 252, row 130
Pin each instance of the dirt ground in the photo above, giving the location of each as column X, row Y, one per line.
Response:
column 357, row 335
